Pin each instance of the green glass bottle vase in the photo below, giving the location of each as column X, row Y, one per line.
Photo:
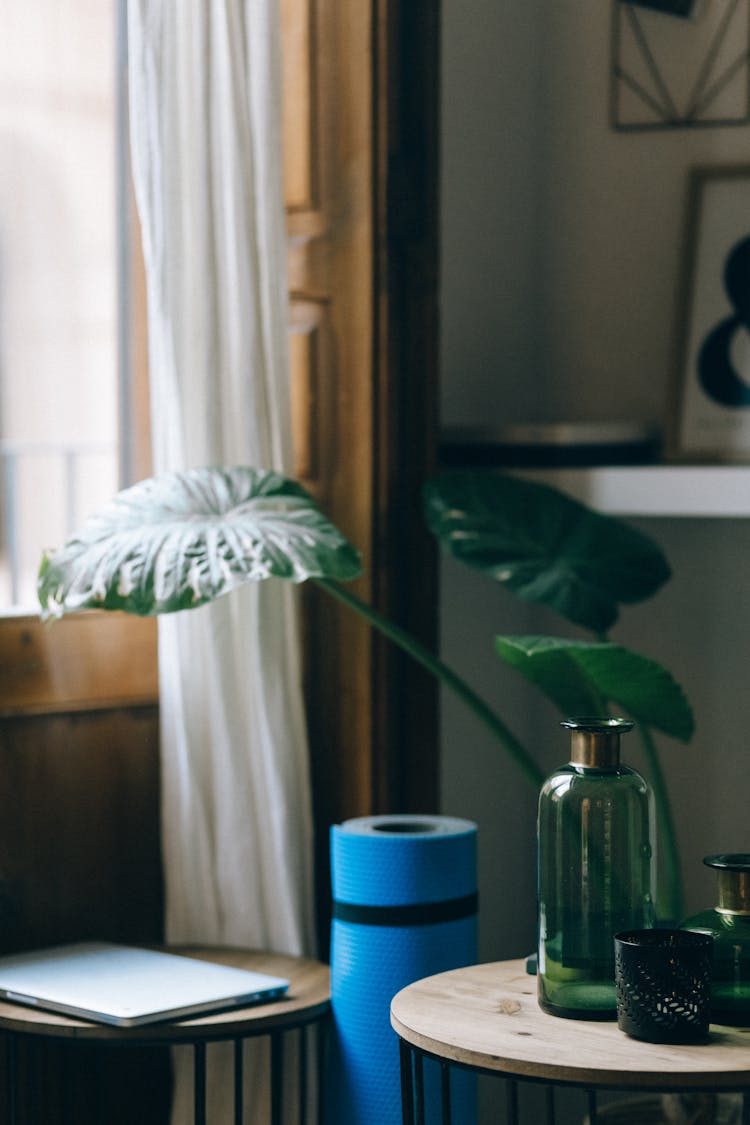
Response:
column 729, row 925
column 596, row 869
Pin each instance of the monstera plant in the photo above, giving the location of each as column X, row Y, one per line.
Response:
column 179, row 540
column 549, row 549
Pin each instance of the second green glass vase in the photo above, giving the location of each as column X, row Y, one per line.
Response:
column 729, row 925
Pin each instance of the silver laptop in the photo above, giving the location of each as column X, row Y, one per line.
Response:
column 127, row 986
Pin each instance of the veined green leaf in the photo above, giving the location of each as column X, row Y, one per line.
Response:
column 181, row 539
column 581, row 678
column 543, row 545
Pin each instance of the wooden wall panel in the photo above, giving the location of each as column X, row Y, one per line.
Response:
column 86, row 662
column 79, row 833
column 80, row 859
column 80, row 853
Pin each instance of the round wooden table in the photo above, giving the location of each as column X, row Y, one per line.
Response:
column 306, row 1002
column 486, row 1018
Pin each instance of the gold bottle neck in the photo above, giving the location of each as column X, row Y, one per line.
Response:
column 595, row 749
column 734, row 892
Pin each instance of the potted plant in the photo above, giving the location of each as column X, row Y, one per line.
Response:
column 179, row 540
column 552, row 550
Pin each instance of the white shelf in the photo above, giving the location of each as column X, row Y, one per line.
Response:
column 694, row 490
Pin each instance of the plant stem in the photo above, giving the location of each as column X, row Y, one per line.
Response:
column 445, row 675
column 670, row 904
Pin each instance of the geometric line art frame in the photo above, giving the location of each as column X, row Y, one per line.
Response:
column 724, row 61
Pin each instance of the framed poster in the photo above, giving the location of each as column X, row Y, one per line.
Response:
column 672, row 7
column 709, row 413
column 676, row 73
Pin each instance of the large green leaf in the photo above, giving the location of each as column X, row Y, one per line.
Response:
column 181, row 539
column 581, row 678
column 543, row 545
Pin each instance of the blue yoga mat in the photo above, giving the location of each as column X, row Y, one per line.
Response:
column 404, row 894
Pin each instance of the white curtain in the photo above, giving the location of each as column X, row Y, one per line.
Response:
column 206, row 146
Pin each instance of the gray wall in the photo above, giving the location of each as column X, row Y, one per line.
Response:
column 561, row 247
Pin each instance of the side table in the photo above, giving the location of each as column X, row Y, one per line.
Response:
column 486, row 1018
column 306, row 1003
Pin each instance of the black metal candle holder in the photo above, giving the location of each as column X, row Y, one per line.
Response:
column 663, row 980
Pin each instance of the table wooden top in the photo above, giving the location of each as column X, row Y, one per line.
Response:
column 487, row 1016
column 307, row 999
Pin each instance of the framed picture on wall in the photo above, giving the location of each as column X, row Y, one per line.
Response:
column 672, row 7
column 709, row 411
column 677, row 73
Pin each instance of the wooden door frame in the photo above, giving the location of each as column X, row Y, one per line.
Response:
column 372, row 712
column 406, row 370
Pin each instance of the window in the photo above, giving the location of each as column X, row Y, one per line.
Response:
column 59, row 263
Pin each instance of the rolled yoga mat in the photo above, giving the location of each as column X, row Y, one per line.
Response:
column 404, row 907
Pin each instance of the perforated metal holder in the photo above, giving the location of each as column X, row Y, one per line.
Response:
column 663, row 980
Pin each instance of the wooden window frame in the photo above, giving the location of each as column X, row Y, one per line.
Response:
column 368, row 438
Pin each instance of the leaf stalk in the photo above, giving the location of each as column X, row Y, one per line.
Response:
column 445, row 675
column 670, row 900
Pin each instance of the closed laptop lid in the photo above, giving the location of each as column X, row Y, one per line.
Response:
column 126, row 985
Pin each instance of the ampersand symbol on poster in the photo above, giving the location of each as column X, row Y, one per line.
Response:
column 724, row 357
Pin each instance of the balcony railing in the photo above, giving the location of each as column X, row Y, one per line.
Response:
column 46, row 490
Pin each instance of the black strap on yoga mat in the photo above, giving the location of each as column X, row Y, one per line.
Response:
column 411, row 914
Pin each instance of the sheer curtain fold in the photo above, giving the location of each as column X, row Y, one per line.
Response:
column 207, row 168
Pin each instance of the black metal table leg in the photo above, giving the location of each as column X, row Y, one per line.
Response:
column 407, row 1083
column 303, row 1047
column 445, row 1091
column 419, row 1089
column 199, row 1083
column 593, row 1110
column 511, row 1100
column 277, row 1076
column 322, row 1036
column 11, row 1058
column 67, row 1095
column 239, row 1081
